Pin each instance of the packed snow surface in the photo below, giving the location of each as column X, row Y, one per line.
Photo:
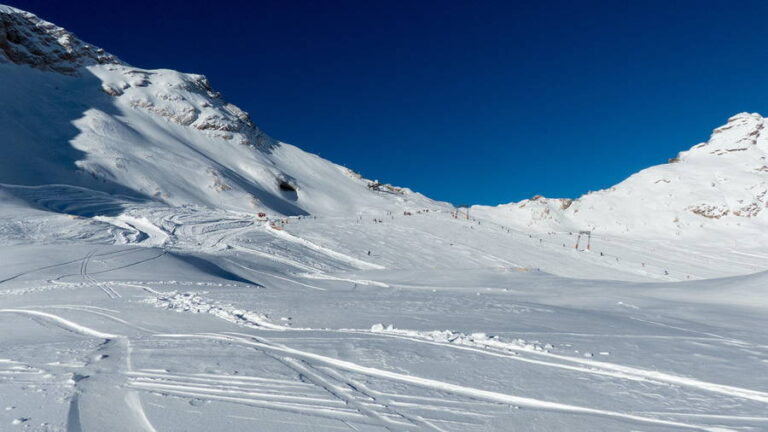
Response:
column 166, row 266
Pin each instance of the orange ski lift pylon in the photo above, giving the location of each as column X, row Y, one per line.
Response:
column 588, row 234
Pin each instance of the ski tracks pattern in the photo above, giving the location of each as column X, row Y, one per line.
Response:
column 331, row 375
column 109, row 291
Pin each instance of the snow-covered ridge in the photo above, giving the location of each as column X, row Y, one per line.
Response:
column 29, row 40
column 157, row 135
column 719, row 185
column 183, row 99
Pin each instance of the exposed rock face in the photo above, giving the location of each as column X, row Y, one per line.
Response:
column 185, row 99
column 26, row 39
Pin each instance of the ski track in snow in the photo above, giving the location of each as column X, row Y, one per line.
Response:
column 125, row 406
column 480, row 343
column 473, row 393
column 587, row 366
column 329, row 392
column 349, row 393
column 363, row 265
column 362, row 410
column 62, row 323
column 109, row 291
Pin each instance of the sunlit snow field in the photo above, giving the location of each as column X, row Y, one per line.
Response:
column 194, row 319
column 152, row 281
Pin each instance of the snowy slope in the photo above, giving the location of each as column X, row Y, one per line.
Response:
column 159, row 135
column 163, row 319
column 140, row 291
column 720, row 186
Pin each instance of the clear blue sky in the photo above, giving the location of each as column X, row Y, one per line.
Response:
column 465, row 101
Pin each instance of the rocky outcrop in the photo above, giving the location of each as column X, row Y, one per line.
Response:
column 28, row 40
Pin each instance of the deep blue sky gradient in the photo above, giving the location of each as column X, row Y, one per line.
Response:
column 465, row 101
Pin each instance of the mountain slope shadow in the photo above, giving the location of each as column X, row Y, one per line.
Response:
column 38, row 156
column 212, row 269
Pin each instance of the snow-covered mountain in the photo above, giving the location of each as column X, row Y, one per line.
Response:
column 138, row 292
column 169, row 137
column 717, row 186
column 157, row 135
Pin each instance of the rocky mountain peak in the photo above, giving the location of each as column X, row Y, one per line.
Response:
column 28, row 40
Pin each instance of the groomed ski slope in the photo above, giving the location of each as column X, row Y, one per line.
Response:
column 165, row 319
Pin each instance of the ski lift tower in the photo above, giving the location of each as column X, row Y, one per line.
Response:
column 459, row 208
column 588, row 235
